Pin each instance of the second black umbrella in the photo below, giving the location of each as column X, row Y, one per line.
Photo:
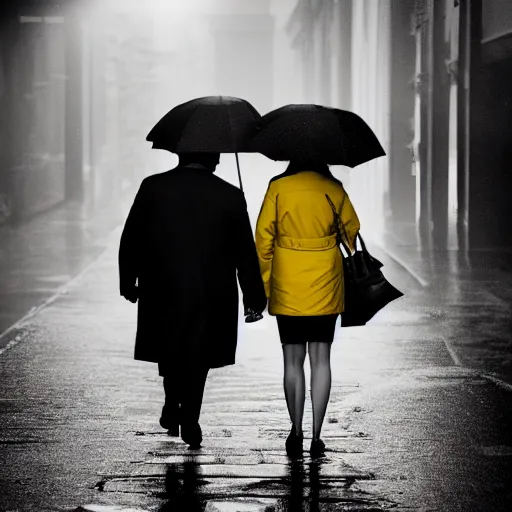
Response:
column 316, row 133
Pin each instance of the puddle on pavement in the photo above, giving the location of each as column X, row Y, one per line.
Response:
column 107, row 508
column 261, row 505
column 199, row 481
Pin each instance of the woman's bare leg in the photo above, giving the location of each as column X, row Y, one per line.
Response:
column 295, row 383
column 320, row 360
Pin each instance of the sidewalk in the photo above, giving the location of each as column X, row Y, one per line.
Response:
column 408, row 427
column 487, row 267
column 472, row 301
column 40, row 256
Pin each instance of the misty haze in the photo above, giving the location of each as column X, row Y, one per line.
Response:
column 183, row 299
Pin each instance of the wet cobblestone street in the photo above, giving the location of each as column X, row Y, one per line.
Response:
column 409, row 425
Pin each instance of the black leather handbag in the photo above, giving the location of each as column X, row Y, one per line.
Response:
column 367, row 291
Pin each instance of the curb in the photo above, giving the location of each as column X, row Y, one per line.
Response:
column 399, row 261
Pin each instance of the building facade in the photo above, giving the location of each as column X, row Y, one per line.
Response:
column 431, row 78
column 83, row 82
column 73, row 80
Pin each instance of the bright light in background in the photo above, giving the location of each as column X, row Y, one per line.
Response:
column 175, row 9
column 161, row 53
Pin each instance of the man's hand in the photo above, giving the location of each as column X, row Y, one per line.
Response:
column 252, row 316
column 131, row 294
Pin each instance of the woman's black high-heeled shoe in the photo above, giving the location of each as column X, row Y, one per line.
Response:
column 294, row 447
column 317, row 448
column 170, row 420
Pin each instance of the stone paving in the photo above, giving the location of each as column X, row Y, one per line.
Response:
column 419, row 417
column 409, row 425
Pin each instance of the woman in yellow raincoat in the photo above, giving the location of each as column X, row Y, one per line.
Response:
column 301, row 266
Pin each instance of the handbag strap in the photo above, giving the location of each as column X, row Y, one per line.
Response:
column 337, row 224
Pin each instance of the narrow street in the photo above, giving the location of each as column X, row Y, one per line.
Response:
column 420, row 415
column 411, row 424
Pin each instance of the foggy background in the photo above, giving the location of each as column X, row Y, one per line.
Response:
column 82, row 82
column 96, row 76
column 420, row 411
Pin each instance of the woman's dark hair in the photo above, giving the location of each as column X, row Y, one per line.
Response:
column 296, row 166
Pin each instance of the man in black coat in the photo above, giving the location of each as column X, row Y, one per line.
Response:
column 186, row 240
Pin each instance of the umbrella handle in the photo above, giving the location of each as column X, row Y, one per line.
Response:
column 239, row 175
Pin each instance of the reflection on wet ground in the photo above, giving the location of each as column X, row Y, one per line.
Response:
column 248, row 472
column 183, row 483
column 302, row 486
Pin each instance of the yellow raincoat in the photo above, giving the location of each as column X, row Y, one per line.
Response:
column 299, row 260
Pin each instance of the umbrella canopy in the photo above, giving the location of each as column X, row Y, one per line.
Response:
column 314, row 133
column 212, row 124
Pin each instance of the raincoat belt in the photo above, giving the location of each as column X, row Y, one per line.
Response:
column 307, row 244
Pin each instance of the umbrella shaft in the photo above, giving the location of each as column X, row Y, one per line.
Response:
column 239, row 175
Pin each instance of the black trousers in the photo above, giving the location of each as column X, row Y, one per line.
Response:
column 184, row 389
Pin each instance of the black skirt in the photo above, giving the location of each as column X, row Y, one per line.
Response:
column 304, row 329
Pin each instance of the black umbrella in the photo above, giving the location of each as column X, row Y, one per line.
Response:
column 212, row 124
column 316, row 133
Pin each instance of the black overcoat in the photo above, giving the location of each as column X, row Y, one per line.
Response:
column 185, row 241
